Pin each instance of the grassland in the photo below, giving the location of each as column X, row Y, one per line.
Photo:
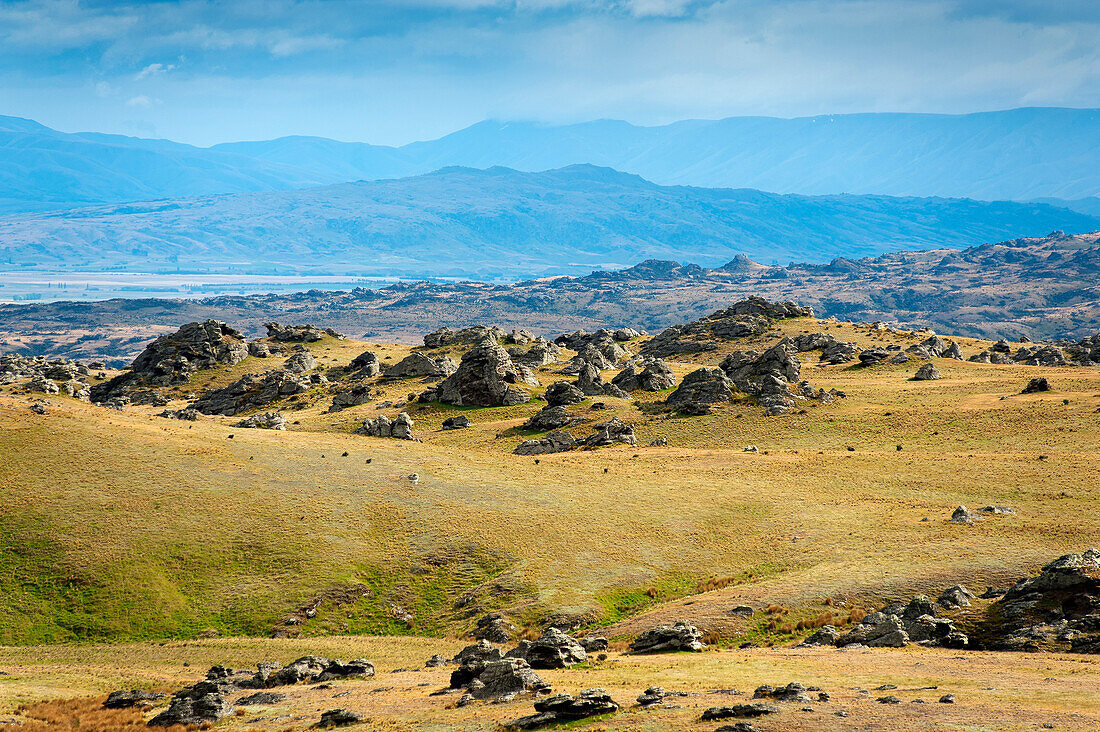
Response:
column 119, row 526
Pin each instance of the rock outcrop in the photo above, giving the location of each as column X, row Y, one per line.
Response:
column 171, row 359
column 485, row 378
column 253, row 391
column 562, row 708
column 353, row 396
column 420, row 365
column 703, row 386
column 562, row 393
column 298, row 333
column 651, row 374
column 1057, row 610
column 612, row 432
column 927, row 372
column 265, row 421
column 399, row 428
column 485, row 674
column 554, row 649
column 667, row 638
column 746, row 318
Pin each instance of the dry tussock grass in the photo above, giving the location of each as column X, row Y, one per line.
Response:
column 79, row 715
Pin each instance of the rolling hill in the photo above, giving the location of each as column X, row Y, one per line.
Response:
column 502, row 224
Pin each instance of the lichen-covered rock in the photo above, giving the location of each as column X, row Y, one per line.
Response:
column 562, row 393
column 562, row 708
column 420, row 365
column 253, row 391
column 353, row 396
column 554, row 649
column 702, row 386
column 485, row 378
column 300, row 361
column 265, row 421
column 743, row 319
column 556, row 441
column 172, row 359
column 927, row 372
column 551, row 418
column 664, row 638
column 399, row 428
column 650, row 375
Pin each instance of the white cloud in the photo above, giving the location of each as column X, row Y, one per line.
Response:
column 139, row 101
column 154, row 70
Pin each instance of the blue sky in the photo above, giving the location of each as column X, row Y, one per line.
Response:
column 393, row 71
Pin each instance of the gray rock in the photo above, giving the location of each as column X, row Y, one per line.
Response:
column 485, row 378
column 1036, row 385
column 752, row 709
column 296, row 333
column 826, row 635
column 401, row 428
column 494, row 628
column 651, row 375
column 702, row 386
column 352, row 397
column 792, row 692
column 186, row 414
column 265, row 421
column 873, row 356
column 955, row 596
column 554, row 649
column 171, row 359
column 962, row 515
column 253, row 391
column 556, row 441
column 339, row 718
column 300, row 362
column 420, row 365
column 551, row 418
column 593, row 643
column 459, row 422
column 562, row 708
column 665, row 638
column 927, row 372
column 471, row 335
column 261, row 698
column 491, row 679
column 562, row 393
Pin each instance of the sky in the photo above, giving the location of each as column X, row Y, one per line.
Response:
column 394, row 71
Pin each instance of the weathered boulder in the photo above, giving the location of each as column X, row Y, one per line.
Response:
column 42, row 385
column 563, row 393
column 186, row 414
column 826, row 635
column 541, row 353
column 554, row 649
column 551, row 418
column 366, row 364
column 458, row 422
column 339, row 718
column 485, row 378
column 300, row 361
column 702, row 386
column 927, row 372
column 650, row 375
column 877, row 630
column 265, row 421
column 295, row 333
column 261, row 698
column 253, row 391
column 562, row 708
column 556, row 441
column 611, row 432
column 420, row 365
column 494, row 628
column 792, row 692
column 1036, row 385
column 196, row 704
column 752, row 709
column 962, row 515
column 399, row 429
column 496, row 678
column 663, row 638
column 873, row 356
column 171, row 359
column 355, row 395
column 591, row 383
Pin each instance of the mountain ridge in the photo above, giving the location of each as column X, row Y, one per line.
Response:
column 501, row 223
column 1020, row 154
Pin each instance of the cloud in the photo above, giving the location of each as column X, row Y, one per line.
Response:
column 392, row 71
column 154, row 70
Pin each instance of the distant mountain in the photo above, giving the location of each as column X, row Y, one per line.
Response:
column 1020, row 154
column 1017, row 154
column 502, row 224
column 44, row 169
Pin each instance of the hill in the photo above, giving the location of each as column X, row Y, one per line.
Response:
column 1018, row 154
column 502, row 224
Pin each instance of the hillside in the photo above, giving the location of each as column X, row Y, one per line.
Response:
column 502, row 224
column 1019, row 154
column 1040, row 288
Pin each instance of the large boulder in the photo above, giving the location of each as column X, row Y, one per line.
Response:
column 927, row 372
column 562, row 393
column 591, row 383
column 352, row 396
column 493, row 678
column 554, row 649
column 366, row 365
column 563, row 708
column 296, row 333
column 172, row 359
column 650, row 375
column 702, row 386
column 551, row 418
column 556, row 441
column 399, row 428
column 472, row 335
column 666, row 638
column 265, row 421
column 420, row 365
column 1057, row 610
column 485, row 378
column 300, row 361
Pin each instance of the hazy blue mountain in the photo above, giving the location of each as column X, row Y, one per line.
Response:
column 1018, row 154
column 1089, row 206
column 1021, row 154
column 41, row 168
column 501, row 223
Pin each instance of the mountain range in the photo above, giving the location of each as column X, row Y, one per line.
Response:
column 1021, row 154
column 501, row 224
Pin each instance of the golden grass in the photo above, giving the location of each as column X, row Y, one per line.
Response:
column 154, row 528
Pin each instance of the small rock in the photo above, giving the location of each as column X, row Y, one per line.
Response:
column 339, row 718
